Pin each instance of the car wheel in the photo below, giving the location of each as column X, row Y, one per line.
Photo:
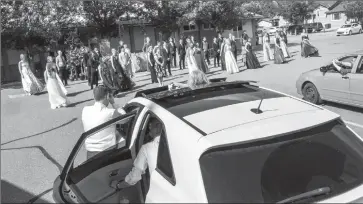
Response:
column 350, row 32
column 311, row 94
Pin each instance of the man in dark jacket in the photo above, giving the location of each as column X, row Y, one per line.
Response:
column 205, row 47
column 172, row 47
column 182, row 52
column 95, row 62
column 233, row 46
column 216, row 51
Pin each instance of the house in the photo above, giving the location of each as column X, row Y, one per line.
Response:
column 329, row 13
column 265, row 23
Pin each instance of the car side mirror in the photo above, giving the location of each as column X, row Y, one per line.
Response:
column 323, row 69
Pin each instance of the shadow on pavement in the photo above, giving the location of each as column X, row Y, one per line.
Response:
column 44, row 152
column 12, row 86
column 13, row 194
column 72, row 120
column 342, row 106
column 79, row 102
column 78, row 92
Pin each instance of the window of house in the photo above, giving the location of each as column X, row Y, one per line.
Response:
column 190, row 27
column 336, row 16
column 164, row 165
column 239, row 28
column 208, row 26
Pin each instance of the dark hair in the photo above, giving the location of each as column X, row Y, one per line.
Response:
column 100, row 93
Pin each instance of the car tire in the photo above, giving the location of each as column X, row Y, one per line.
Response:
column 311, row 94
column 350, row 32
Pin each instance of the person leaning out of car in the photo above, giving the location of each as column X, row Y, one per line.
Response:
column 343, row 67
column 95, row 115
column 146, row 158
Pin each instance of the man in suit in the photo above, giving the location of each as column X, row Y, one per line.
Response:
column 182, row 53
column 121, row 45
column 216, row 51
column 61, row 64
column 205, row 47
column 146, row 45
column 95, row 62
column 172, row 47
column 167, row 51
column 233, row 46
column 223, row 61
column 244, row 39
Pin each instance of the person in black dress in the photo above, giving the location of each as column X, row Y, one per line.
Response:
column 172, row 48
column 307, row 50
column 122, row 81
column 182, row 52
column 251, row 59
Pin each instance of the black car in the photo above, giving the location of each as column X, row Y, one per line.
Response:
column 298, row 28
column 313, row 27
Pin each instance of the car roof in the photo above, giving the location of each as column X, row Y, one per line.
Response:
column 224, row 105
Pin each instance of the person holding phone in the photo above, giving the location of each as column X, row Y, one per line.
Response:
column 99, row 113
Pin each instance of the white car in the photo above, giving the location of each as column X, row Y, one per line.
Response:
column 349, row 29
column 230, row 142
column 271, row 30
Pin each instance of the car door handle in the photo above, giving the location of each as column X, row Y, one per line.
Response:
column 345, row 77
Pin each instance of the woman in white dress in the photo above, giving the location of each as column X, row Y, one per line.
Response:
column 231, row 64
column 283, row 46
column 56, row 90
column 267, row 51
column 31, row 84
column 191, row 62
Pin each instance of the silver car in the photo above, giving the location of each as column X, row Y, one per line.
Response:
column 328, row 84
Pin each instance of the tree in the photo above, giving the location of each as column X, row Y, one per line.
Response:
column 265, row 8
column 35, row 23
column 104, row 14
column 354, row 10
column 167, row 16
column 296, row 11
column 221, row 14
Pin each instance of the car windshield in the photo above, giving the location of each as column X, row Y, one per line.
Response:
column 274, row 169
column 346, row 26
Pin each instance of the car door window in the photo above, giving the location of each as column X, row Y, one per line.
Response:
column 164, row 164
column 360, row 67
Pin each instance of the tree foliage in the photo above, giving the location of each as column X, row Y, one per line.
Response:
column 35, row 23
column 354, row 10
column 265, row 8
column 221, row 14
column 296, row 11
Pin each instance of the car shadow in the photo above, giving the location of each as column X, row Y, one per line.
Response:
column 14, row 194
column 342, row 106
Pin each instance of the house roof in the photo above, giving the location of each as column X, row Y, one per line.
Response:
column 326, row 4
column 337, row 9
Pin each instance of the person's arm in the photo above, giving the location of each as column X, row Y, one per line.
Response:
column 246, row 47
column 19, row 67
column 276, row 43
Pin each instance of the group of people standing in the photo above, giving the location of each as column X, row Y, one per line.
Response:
column 281, row 51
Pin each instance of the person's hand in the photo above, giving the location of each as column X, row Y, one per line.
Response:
column 114, row 183
column 111, row 99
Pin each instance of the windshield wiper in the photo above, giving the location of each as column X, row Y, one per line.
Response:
column 309, row 194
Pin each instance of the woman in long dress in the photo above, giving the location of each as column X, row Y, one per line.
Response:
column 279, row 56
column 159, row 61
column 307, row 50
column 56, row 90
column 107, row 75
column 125, row 61
column 31, row 84
column 251, row 59
column 267, row 51
column 151, row 64
column 191, row 62
column 285, row 51
column 199, row 58
column 231, row 63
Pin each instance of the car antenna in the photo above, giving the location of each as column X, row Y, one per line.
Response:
column 258, row 110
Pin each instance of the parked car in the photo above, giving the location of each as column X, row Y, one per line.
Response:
column 298, row 28
column 327, row 84
column 314, row 27
column 230, row 142
column 349, row 29
column 271, row 30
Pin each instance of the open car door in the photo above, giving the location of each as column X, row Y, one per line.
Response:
column 88, row 180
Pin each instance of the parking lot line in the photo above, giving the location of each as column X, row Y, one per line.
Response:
column 354, row 124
